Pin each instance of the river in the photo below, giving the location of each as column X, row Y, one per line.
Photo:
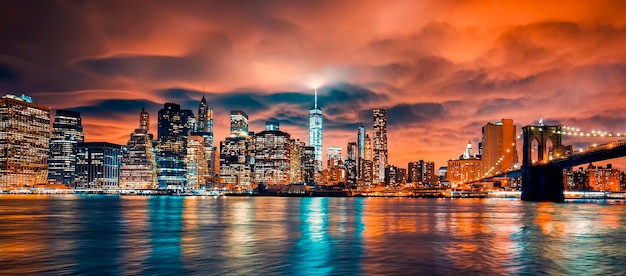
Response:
column 164, row 235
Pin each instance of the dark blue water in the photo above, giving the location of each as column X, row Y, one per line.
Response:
column 307, row 236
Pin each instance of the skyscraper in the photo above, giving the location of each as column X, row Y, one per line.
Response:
column 333, row 156
column 138, row 169
column 238, row 123
column 272, row 161
column 24, row 142
column 499, row 151
column 366, row 173
column 315, row 132
column 174, row 127
column 236, row 153
column 204, row 128
column 421, row 172
column 380, row 145
column 67, row 131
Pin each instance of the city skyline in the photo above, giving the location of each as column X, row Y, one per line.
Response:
column 441, row 76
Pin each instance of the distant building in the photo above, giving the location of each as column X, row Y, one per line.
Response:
column 423, row 173
column 464, row 169
column 380, row 155
column 237, row 154
column 67, row 131
column 575, row 179
column 138, row 169
column 366, row 171
column 392, row 178
column 297, row 167
column 195, row 163
column 315, row 133
column 333, row 156
column 603, row 179
column 238, row 123
column 175, row 125
column 499, row 151
column 98, row 165
column 272, row 156
column 442, row 174
column 24, row 142
column 351, row 164
column 204, row 128
column 309, row 165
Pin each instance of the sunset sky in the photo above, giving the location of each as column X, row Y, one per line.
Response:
column 442, row 68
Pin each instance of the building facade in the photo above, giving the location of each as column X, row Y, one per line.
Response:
column 333, row 156
column 98, row 165
column 380, row 155
column 422, row 173
column 67, row 131
column 24, row 142
column 175, row 125
column 499, row 151
column 272, row 156
column 138, row 169
column 467, row 168
column 315, row 133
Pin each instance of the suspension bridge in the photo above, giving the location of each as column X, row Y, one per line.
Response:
column 542, row 178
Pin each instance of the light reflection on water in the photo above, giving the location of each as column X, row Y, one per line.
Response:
column 73, row 234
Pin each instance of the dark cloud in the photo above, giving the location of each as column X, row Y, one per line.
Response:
column 412, row 114
column 8, row 74
column 117, row 108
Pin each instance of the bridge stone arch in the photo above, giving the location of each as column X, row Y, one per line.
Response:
column 541, row 134
column 542, row 182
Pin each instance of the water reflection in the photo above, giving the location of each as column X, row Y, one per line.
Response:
column 306, row 236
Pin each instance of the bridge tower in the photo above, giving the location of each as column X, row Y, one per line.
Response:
column 541, row 181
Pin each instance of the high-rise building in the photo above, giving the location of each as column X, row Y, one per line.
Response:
column 174, row 127
column 366, row 171
column 380, row 145
column 24, row 142
column 333, row 156
column 296, row 155
column 464, row 169
column 499, row 152
column 272, row 156
column 309, row 165
column 422, row 173
column 237, row 154
column 204, row 128
column 195, row 163
column 98, row 165
column 315, row 132
column 238, row 123
column 603, row 179
column 394, row 175
column 351, row 164
column 67, row 131
column 138, row 169
column 236, row 162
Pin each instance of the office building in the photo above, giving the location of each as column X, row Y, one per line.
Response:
column 333, row 156
column 67, row 131
column 315, row 133
column 195, row 163
column 366, row 171
column 422, row 173
column 98, row 165
column 380, row 146
column 238, row 123
column 466, row 168
column 175, row 125
column 309, row 165
column 297, row 168
column 24, row 142
column 204, row 129
column 272, row 156
column 138, row 169
column 499, row 152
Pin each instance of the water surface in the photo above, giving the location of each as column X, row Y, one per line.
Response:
column 134, row 235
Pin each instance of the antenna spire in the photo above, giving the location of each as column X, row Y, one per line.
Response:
column 315, row 98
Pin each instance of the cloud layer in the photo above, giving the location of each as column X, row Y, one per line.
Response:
column 442, row 68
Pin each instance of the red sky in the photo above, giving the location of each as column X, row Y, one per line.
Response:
column 442, row 68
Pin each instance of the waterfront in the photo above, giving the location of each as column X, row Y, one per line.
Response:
column 130, row 235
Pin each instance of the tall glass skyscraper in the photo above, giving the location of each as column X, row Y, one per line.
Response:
column 204, row 128
column 380, row 145
column 174, row 127
column 315, row 132
column 24, row 142
column 67, row 131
